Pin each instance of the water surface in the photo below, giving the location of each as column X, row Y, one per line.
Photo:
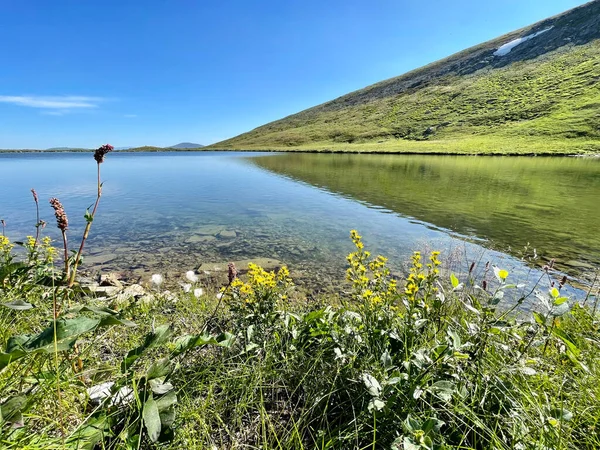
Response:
column 171, row 212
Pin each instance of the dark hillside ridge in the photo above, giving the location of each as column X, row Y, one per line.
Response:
column 544, row 87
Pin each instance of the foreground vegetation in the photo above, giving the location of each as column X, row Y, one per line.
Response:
column 426, row 361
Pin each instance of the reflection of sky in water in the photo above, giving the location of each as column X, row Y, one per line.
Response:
column 163, row 199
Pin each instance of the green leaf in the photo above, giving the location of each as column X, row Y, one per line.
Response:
column 444, row 389
column 561, row 414
column 166, row 401
column 539, row 318
column 151, row 418
column 372, row 385
column 454, row 280
column 566, row 340
column 153, row 339
column 386, row 360
column 88, row 216
column 11, row 410
column 554, row 292
column 376, row 404
column 158, row 369
column 188, row 342
column 560, row 300
column 90, row 434
column 19, row 305
column 66, row 329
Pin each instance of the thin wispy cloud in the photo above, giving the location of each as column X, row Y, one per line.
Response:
column 67, row 102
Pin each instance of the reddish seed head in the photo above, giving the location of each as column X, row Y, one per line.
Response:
column 35, row 196
column 563, row 281
column 61, row 216
column 472, row 267
column 232, row 272
column 484, row 285
column 101, row 152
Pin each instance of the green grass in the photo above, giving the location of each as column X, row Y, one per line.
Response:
column 546, row 105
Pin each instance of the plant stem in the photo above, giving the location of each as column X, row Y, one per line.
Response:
column 66, row 250
column 86, row 232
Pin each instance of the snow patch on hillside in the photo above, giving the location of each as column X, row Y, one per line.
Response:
column 506, row 48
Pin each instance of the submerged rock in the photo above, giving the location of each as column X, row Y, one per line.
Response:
column 110, row 279
column 241, row 265
column 227, row 234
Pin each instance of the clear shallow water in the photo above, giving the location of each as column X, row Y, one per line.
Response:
column 170, row 212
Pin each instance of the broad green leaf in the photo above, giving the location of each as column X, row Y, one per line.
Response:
column 151, row 418
column 13, row 408
column 166, row 401
column 188, row 342
column 454, row 281
column 444, row 389
column 376, row 404
column 158, row 369
column 372, row 385
column 153, row 339
column 107, row 321
column 159, row 387
column 560, row 300
column 19, row 305
column 554, row 292
column 66, row 329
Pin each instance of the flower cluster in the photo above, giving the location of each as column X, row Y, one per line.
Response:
column 62, row 222
column 418, row 278
column 370, row 279
column 263, row 287
column 5, row 246
column 101, row 153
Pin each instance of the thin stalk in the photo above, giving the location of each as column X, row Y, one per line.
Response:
column 66, row 252
column 37, row 215
column 86, row 232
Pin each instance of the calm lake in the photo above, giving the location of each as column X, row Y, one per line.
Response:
column 168, row 212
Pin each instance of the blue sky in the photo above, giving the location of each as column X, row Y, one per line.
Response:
column 157, row 72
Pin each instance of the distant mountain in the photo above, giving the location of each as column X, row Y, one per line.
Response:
column 534, row 90
column 187, row 145
column 63, row 149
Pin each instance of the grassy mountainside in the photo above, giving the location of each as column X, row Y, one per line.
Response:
column 543, row 96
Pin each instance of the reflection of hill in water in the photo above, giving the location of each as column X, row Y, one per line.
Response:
column 551, row 203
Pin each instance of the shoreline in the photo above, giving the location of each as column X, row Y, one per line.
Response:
column 325, row 151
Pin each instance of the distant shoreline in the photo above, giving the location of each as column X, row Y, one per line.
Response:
column 324, row 151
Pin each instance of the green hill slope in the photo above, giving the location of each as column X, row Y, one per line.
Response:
column 543, row 96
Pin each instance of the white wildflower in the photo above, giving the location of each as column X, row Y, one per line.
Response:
column 191, row 276
column 198, row 292
column 157, row 279
column 219, row 296
column 187, row 288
